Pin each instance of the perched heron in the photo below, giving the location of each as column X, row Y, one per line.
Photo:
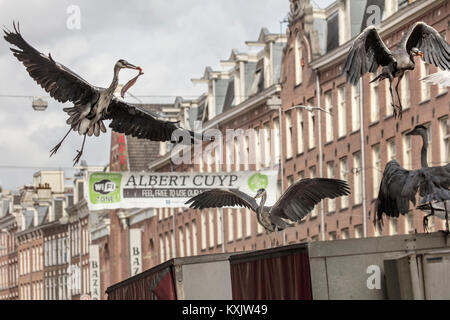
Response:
column 294, row 204
column 92, row 104
column 399, row 186
column 368, row 52
column 440, row 78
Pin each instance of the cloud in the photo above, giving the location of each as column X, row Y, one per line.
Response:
column 172, row 40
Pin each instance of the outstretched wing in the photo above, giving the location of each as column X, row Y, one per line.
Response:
column 366, row 54
column 425, row 38
column 301, row 197
column 138, row 122
column 218, row 198
column 440, row 78
column 61, row 83
column 393, row 199
column 399, row 186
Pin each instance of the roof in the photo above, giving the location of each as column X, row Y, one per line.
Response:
column 143, row 151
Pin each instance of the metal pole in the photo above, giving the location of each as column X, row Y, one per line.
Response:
column 283, row 233
column 319, row 119
column 363, row 158
column 174, row 225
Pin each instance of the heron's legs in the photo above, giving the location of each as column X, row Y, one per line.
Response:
column 55, row 149
column 80, row 152
column 425, row 219
column 394, row 106
column 446, row 217
column 400, row 107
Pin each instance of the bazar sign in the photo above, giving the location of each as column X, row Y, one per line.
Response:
column 126, row 190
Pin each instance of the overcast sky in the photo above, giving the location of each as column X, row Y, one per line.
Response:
column 173, row 41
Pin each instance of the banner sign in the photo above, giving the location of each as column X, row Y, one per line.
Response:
column 135, row 252
column 126, row 190
column 94, row 261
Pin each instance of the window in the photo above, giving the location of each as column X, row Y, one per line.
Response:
column 300, row 147
column 342, row 112
column 355, row 108
column 430, row 143
column 181, row 237
column 237, row 153
column 288, row 135
column 343, row 175
column 409, row 223
column 378, row 230
column 374, row 102
column 312, row 175
column 330, row 175
column 194, row 237
column 239, row 223
column 376, row 170
column 391, row 7
column 393, row 226
column 328, row 117
column 276, row 143
column 267, row 145
column 359, row 231
column 230, row 224
column 298, row 56
column 391, row 149
column 332, row 235
column 248, row 222
column 203, row 234
column 407, row 154
column 425, row 87
column 444, row 126
column 188, row 239
column 257, row 154
column 405, row 94
column 357, row 178
column 311, row 130
column 167, row 246
column 389, row 108
column 211, row 228
column 344, row 21
column 219, row 224
column 290, row 180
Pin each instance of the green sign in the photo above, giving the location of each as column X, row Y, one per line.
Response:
column 104, row 187
column 258, row 181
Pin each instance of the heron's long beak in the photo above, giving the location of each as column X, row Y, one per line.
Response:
column 132, row 66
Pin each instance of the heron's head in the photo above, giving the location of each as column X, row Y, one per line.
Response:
column 122, row 64
column 416, row 52
column 260, row 193
column 417, row 131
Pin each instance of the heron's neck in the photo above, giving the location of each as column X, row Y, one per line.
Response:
column 115, row 81
column 261, row 204
column 423, row 152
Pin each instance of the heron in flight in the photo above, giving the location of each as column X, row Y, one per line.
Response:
column 294, row 204
column 368, row 52
column 91, row 104
column 399, row 186
column 440, row 78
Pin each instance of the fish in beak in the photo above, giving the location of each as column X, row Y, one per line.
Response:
column 130, row 83
column 420, row 54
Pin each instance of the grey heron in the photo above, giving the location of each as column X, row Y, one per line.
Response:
column 294, row 204
column 399, row 186
column 368, row 52
column 91, row 104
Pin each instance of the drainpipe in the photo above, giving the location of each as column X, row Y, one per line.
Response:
column 363, row 157
column 319, row 120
